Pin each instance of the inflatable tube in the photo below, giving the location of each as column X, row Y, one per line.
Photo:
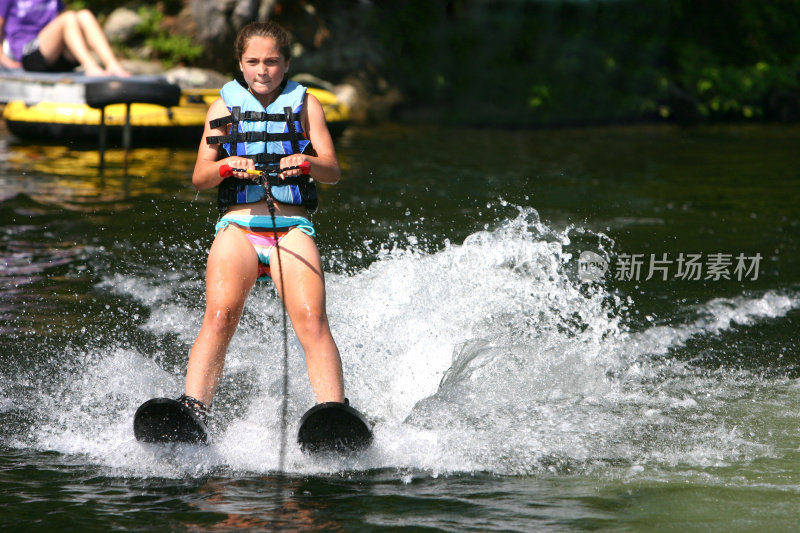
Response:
column 100, row 94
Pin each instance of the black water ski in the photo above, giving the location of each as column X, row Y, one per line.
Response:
column 333, row 427
column 165, row 420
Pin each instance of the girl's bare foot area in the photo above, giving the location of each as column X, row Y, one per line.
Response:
column 94, row 71
column 118, row 71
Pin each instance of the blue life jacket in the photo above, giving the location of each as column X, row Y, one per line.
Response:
column 265, row 135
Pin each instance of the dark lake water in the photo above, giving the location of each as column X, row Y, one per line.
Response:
column 556, row 330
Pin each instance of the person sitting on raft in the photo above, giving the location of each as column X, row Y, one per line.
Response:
column 42, row 36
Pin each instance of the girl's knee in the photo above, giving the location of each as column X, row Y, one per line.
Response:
column 84, row 14
column 68, row 17
column 311, row 326
column 221, row 319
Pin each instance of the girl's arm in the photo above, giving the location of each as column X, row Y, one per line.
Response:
column 4, row 59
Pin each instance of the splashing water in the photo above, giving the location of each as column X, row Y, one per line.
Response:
column 484, row 356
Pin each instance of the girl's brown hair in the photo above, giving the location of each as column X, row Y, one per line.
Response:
column 263, row 29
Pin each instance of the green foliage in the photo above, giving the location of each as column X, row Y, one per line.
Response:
column 734, row 60
column 170, row 49
column 563, row 62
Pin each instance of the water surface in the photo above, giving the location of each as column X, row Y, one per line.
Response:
column 509, row 391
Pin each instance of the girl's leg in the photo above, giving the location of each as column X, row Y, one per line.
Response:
column 231, row 272
column 64, row 33
column 96, row 40
column 304, row 297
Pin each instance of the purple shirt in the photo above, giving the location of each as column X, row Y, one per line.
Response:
column 24, row 19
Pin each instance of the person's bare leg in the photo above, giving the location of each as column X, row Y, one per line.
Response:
column 231, row 272
column 64, row 34
column 304, row 298
column 96, row 40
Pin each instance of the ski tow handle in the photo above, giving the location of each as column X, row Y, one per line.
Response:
column 226, row 171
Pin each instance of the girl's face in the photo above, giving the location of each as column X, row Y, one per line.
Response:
column 263, row 68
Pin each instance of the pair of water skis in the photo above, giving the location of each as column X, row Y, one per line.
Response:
column 325, row 428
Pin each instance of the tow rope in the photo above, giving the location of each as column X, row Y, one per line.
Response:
column 267, row 178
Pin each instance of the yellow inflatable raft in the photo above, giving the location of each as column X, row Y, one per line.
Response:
column 183, row 123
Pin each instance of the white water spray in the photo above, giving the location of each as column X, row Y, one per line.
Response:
column 485, row 356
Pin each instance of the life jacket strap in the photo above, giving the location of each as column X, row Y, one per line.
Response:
column 238, row 116
column 293, row 135
column 255, row 136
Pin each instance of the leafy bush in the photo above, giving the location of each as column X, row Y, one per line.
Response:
column 169, row 48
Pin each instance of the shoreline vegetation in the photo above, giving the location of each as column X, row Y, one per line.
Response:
column 516, row 63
